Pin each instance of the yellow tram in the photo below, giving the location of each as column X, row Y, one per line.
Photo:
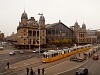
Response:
column 53, row 55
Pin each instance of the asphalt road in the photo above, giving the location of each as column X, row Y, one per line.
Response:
column 4, row 58
column 93, row 67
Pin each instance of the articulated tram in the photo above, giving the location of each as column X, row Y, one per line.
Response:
column 53, row 55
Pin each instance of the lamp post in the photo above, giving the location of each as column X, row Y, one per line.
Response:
column 39, row 35
column 61, row 38
column 90, row 35
column 78, row 37
column 29, row 42
column 60, row 34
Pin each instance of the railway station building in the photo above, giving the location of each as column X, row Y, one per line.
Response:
column 58, row 34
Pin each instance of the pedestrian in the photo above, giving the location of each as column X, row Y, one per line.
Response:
column 38, row 71
column 89, row 54
column 27, row 70
column 43, row 71
column 79, row 54
column 31, row 71
column 34, row 73
column 8, row 65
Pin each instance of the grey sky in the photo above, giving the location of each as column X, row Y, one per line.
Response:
column 68, row 11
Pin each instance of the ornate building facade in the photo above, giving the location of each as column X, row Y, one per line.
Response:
column 92, row 36
column 28, row 32
column 80, row 33
column 1, row 36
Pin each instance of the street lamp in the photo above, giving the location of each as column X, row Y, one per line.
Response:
column 29, row 43
column 90, row 34
column 61, row 38
column 78, row 38
column 60, row 34
column 39, row 35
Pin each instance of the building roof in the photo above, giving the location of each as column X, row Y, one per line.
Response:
column 42, row 18
column 24, row 15
column 55, row 24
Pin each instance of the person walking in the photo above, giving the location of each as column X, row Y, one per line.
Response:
column 79, row 54
column 34, row 73
column 8, row 65
column 38, row 71
column 27, row 70
column 43, row 71
column 31, row 71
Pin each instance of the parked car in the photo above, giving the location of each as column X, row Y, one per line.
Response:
column 37, row 51
column 12, row 53
column 82, row 71
column 1, row 48
column 78, row 59
column 95, row 57
column 74, row 57
column 34, row 51
column 21, row 52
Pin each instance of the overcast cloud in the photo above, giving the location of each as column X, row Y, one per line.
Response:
column 68, row 11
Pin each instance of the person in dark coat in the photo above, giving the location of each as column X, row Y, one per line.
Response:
column 31, row 71
column 8, row 65
column 38, row 71
column 34, row 73
column 43, row 71
column 27, row 70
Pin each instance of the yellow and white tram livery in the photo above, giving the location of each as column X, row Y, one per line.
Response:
column 53, row 55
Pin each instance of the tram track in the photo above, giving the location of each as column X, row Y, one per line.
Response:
column 22, row 69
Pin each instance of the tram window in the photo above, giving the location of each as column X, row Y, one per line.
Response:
column 74, row 49
column 47, row 56
column 43, row 55
column 60, row 53
column 56, row 54
column 52, row 55
column 68, row 51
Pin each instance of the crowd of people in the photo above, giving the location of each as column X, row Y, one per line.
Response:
column 31, row 72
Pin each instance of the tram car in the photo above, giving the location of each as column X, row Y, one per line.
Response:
column 53, row 55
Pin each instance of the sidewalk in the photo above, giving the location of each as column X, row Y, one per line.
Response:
column 25, row 63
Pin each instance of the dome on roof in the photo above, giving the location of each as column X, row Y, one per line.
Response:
column 24, row 15
column 83, row 25
column 76, row 23
column 42, row 17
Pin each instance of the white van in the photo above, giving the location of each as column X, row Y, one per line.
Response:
column 1, row 48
